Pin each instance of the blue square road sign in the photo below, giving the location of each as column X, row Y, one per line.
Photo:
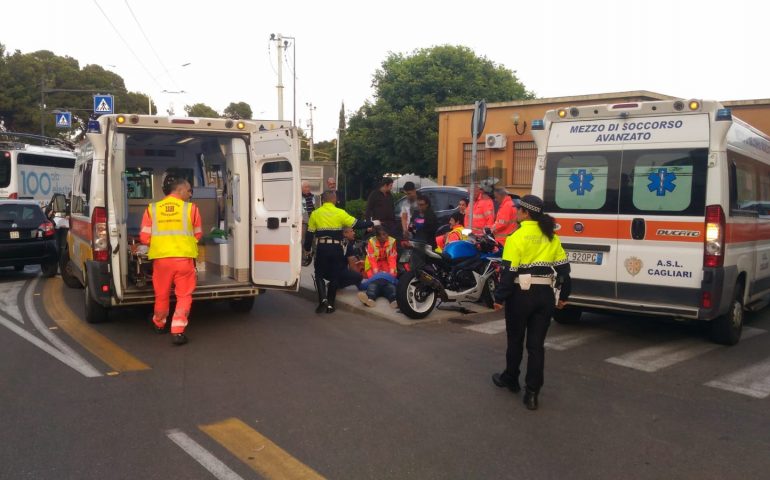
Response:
column 104, row 104
column 63, row 120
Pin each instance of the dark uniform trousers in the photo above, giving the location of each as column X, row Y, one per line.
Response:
column 331, row 265
column 528, row 312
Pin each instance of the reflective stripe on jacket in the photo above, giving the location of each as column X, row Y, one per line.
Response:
column 172, row 227
column 505, row 222
column 381, row 258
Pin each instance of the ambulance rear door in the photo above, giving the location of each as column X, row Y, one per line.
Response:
column 581, row 192
column 115, row 196
column 276, row 218
column 661, row 225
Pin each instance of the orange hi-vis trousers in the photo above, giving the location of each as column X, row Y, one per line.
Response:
column 181, row 273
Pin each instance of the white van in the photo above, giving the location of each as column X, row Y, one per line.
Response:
column 661, row 208
column 246, row 183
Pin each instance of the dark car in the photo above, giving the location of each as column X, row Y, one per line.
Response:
column 27, row 237
column 443, row 200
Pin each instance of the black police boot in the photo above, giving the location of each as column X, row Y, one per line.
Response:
column 530, row 399
column 332, row 297
column 320, row 287
column 179, row 338
column 503, row 380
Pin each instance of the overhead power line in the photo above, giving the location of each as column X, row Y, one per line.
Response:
column 155, row 52
column 128, row 46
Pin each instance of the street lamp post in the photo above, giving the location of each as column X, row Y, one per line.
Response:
column 282, row 42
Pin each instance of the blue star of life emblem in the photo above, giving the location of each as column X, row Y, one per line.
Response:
column 661, row 182
column 581, row 181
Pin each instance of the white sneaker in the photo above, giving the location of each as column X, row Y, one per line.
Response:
column 365, row 299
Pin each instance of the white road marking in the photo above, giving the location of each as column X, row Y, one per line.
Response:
column 490, row 328
column 655, row 358
column 47, row 348
column 574, row 339
column 202, row 456
column 76, row 361
column 753, row 381
column 9, row 296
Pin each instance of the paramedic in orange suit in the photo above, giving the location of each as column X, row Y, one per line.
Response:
column 172, row 228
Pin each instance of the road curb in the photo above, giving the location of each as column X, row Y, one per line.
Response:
column 351, row 304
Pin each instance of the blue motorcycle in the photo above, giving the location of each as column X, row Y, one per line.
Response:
column 466, row 271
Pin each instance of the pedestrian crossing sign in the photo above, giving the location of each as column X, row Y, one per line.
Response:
column 104, row 104
column 63, row 120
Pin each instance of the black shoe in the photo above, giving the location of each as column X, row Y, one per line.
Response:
column 179, row 338
column 159, row 330
column 502, row 382
column 330, row 309
column 530, row 399
column 321, row 308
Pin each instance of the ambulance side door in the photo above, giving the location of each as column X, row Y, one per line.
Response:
column 276, row 216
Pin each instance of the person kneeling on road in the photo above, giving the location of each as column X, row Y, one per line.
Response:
column 172, row 228
column 381, row 264
column 326, row 224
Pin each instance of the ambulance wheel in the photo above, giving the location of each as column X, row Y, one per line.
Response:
column 726, row 329
column 66, row 269
column 242, row 305
column 95, row 312
column 567, row 315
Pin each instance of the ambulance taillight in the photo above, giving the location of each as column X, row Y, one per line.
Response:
column 715, row 237
column 99, row 225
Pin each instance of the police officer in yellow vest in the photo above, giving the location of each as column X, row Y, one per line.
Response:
column 534, row 262
column 172, row 228
column 325, row 225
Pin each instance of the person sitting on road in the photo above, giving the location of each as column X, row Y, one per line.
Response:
column 381, row 259
column 352, row 253
column 454, row 234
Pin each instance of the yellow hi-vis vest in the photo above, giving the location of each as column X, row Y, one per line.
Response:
column 172, row 230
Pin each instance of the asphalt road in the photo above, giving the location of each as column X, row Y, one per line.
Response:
column 284, row 393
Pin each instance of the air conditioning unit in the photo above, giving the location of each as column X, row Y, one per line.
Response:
column 496, row 140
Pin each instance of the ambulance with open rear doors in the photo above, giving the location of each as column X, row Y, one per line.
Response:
column 246, row 183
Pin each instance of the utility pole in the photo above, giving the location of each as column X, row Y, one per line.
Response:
column 279, row 41
column 311, row 107
column 42, row 107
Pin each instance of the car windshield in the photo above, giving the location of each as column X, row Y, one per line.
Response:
column 20, row 213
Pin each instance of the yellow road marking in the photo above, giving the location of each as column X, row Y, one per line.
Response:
column 257, row 451
column 93, row 341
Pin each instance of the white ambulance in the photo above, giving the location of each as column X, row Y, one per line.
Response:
column 246, row 183
column 663, row 208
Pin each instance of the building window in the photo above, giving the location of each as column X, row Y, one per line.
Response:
column 481, row 162
column 524, row 158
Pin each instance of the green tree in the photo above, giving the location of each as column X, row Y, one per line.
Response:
column 61, row 81
column 398, row 131
column 200, row 110
column 238, row 111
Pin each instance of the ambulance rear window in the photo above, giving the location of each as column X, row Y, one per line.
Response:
column 669, row 182
column 582, row 182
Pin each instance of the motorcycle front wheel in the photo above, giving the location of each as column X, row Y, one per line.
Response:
column 415, row 300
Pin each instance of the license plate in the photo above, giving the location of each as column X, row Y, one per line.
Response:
column 591, row 258
column 14, row 235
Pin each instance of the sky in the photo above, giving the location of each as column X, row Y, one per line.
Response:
column 690, row 49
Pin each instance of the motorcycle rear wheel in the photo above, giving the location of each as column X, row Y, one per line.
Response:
column 415, row 300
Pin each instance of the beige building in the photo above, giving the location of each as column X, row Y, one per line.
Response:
column 511, row 156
